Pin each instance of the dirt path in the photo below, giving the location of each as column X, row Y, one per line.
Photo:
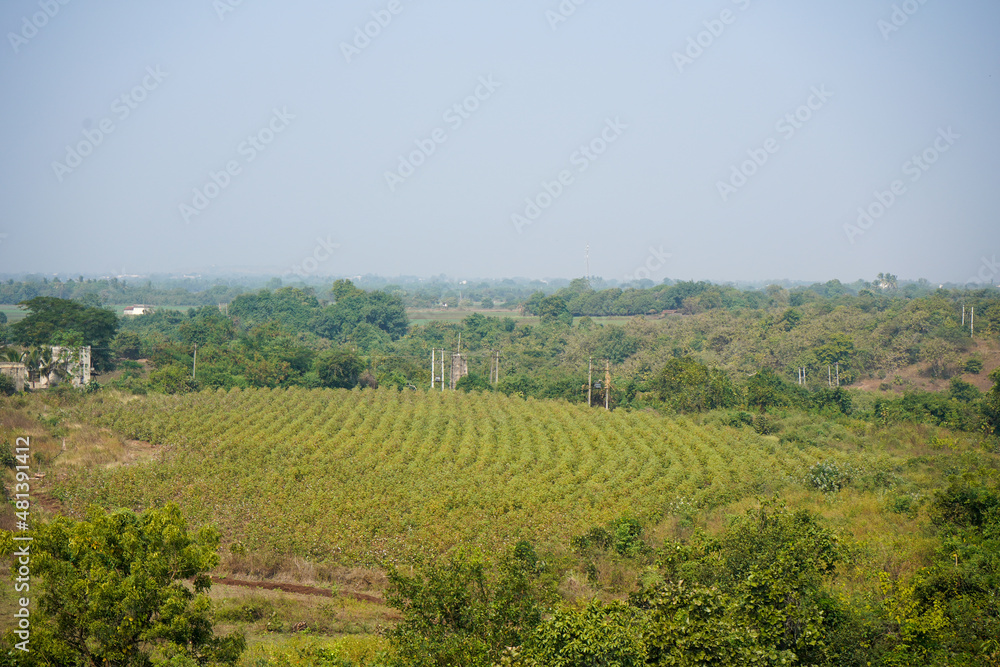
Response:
column 295, row 588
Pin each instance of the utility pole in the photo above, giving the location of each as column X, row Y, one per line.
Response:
column 194, row 367
column 838, row 373
column 963, row 314
column 972, row 322
column 607, row 384
column 495, row 367
column 442, row 369
column 433, row 350
column 590, row 379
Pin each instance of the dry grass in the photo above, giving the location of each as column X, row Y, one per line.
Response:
column 293, row 569
column 257, row 611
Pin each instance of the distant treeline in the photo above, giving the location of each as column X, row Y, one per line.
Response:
column 594, row 297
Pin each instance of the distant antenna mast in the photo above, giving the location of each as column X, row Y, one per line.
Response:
column 587, row 256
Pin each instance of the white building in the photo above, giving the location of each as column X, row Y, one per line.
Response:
column 16, row 371
column 138, row 310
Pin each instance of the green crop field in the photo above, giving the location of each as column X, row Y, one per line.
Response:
column 364, row 476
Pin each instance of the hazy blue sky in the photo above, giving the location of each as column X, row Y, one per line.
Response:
column 280, row 136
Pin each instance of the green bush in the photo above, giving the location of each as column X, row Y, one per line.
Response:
column 462, row 612
column 828, row 477
column 608, row 635
column 974, row 366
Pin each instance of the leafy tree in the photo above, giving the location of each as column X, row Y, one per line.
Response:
column 48, row 316
column 961, row 390
column 688, row 385
column 790, row 319
column 554, row 309
column 835, row 397
column 339, row 368
column 616, row 345
column 770, row 564
column 127, row 345
column 765, row 390
column 608, row 635
column 112, row 591
column 473, row 382
column 172, row 379
column 693, row 624
column 459, row 612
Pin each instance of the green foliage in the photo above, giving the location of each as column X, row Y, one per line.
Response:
column 828, row 477
column 291, row 306
column 172, row 379
column 459, row 612
column 690, row 624
column 339, row 368
column 127, row 345
column 473, row 382
column 837, row 398
column 7, row 386
column 770, row 563
column 622, row 535
column 608, row 635
column 790, row 319
column 687, row 385
column 7, row 459
column 960, row 390
column 932, row 408
column 973, row 365
column 965, row 504
column 991, row 404
column 615, row 344
column 112, row 590
column 50, row 317
column 355, row 307
column 766, row 390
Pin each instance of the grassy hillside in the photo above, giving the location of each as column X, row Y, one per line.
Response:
column 360, row 476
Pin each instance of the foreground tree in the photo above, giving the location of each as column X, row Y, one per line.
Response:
column 50, row 320
column 113, row 592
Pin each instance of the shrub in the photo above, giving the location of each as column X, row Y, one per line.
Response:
column 828, row 477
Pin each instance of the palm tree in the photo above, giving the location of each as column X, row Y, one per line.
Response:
column 32, row 359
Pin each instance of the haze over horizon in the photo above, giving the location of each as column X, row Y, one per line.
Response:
column 735, row 140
